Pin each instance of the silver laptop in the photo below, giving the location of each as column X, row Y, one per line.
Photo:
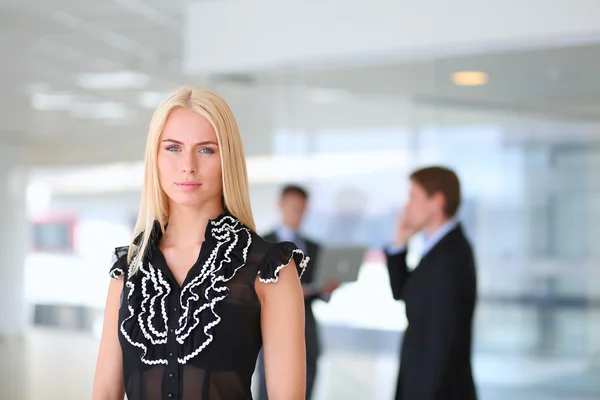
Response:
column 339, row 264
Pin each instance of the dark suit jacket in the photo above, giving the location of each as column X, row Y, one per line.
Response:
column 439, row 295
column 313, row 346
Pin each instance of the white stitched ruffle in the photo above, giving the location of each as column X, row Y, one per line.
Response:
column 155, row 336
column 116, row 273
column 279, row 256
column 205, row 291
column 119, row 262
column 230, row 234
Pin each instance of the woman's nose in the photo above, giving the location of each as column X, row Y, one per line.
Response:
column 190, row 164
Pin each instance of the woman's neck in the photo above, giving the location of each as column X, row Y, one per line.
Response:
column 187, row 225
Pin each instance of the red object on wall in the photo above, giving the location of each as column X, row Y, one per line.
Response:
column 53, row 233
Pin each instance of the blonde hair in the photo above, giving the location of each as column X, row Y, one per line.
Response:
column 155, row 205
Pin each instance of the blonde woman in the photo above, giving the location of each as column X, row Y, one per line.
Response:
column 197, row 292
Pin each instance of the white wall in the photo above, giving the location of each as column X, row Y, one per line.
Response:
column 103, row 222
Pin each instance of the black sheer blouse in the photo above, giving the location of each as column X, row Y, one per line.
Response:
column 200, row 340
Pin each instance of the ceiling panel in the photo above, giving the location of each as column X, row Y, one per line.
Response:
column 49, row 43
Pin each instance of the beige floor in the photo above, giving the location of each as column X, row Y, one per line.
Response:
column 47, row 365
column 57, row 365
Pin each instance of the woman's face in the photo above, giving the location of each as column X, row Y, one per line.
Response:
column 189, row 161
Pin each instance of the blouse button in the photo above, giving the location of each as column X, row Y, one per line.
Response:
column 175, row 309
column 171, row 375
column 170, row 354
column 172, row 330
column 170, row 395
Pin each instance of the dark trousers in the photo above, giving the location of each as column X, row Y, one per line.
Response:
column 311, row 374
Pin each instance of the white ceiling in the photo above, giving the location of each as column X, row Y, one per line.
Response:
column 49, row 48
column 47, row 45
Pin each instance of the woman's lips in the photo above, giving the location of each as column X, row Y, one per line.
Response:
column 188, row 185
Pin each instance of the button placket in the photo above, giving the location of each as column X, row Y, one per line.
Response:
column 172, row 368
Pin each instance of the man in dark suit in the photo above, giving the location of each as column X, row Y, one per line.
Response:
column 292, row 203
column 439, row 294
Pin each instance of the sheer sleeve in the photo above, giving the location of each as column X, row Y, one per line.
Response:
column 278, row 256
column 119, row 262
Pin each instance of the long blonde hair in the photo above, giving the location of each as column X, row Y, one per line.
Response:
column 155, row 204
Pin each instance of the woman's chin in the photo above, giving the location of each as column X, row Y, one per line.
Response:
column 191, row 201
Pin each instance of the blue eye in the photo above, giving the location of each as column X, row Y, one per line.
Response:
column 172, row 148
column 206, row 150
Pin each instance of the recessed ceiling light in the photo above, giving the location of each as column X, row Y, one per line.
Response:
column 52, row 101
column 151, row 100
column 326, row 95
column 114, row 80
column 469, row 78
column 106, row 110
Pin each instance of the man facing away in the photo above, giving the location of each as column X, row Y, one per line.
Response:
column 439, row 294
column 292, row 204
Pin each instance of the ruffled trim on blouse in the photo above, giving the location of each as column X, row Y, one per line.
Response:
column 119, row 262
column 146, row 326
column 277, row 257
column 200, row 297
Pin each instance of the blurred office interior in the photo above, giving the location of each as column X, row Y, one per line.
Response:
column 345, row 98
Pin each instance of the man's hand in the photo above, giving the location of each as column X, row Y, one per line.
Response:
column 329, row 287
column 404, row 230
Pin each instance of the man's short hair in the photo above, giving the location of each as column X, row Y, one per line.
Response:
column 440, row 180
column 294, row 189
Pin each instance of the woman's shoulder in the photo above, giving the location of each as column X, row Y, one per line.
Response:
column 119, row 263
column 272, row 256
